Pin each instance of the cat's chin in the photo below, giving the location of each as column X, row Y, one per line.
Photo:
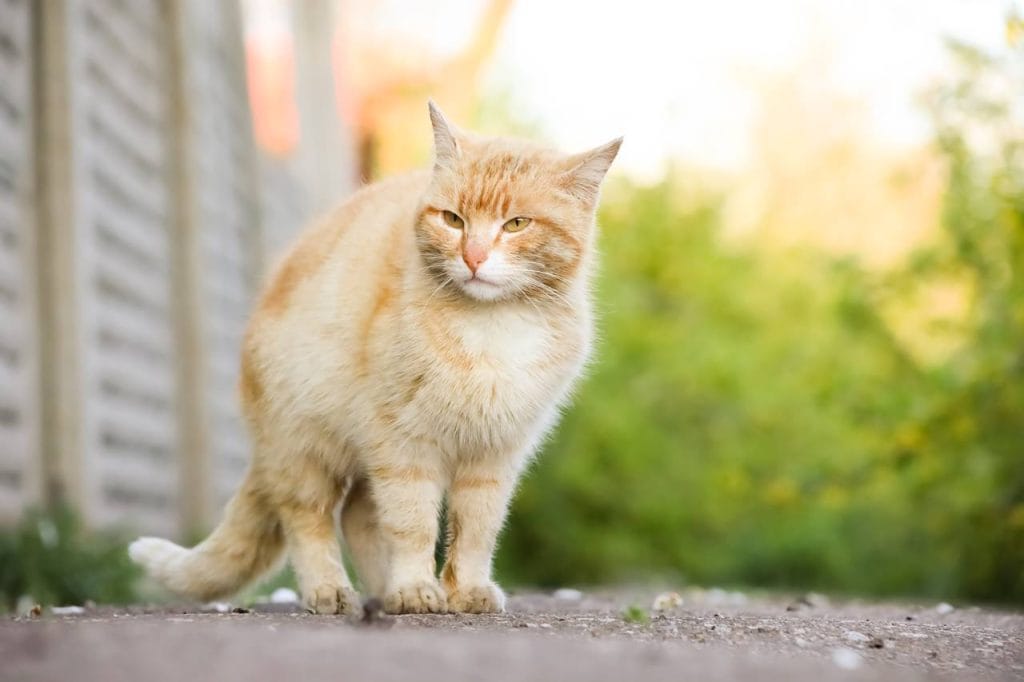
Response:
column 482, row 290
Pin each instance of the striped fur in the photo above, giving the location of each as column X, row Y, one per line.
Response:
column 380, row 374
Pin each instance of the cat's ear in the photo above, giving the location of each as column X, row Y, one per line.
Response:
column 446, row 142
column 584, row 172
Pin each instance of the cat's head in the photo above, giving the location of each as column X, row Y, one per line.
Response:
column 504, row 219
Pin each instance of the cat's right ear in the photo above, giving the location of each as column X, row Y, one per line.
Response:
column 446, row 143
column 586, row 171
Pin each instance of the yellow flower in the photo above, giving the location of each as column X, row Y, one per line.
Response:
column 1014, row 31
column 781, row 492
column 1017, row 516
column 833, row 497
column 910, row 438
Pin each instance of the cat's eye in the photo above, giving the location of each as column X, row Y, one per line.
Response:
column 516, row 224
column 453, row 220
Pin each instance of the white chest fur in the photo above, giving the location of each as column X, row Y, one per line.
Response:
column 504, row 342
column 498, row 377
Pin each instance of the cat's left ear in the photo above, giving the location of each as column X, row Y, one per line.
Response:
column 446, row 142
column 586, row 171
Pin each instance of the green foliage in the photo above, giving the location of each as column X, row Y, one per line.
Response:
column 635, row 614
column 721, row 430
column 52, row 559
column 752, row 419
column 974, row 426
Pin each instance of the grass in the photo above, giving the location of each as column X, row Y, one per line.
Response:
column 52, row 558
column 636, row 614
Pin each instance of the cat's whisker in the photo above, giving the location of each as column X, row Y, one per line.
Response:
column 547, row 274
column 553, row 296
column 446, row 282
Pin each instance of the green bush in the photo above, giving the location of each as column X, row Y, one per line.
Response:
column 729, row 413
column 752, row 419
column 50, row 558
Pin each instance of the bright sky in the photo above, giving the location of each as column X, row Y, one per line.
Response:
column 680, row 78
column 676, row 77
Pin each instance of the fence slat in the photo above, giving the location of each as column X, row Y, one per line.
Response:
column 155, row 216
column 19, row 408
column 222, row 245
column 115, row 384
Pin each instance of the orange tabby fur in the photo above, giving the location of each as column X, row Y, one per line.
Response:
column 413, row 345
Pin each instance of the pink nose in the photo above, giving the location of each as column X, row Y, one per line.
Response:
column 474, row 254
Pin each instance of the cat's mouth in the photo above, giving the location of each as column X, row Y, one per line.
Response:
column 482, row 289
column 477, row 279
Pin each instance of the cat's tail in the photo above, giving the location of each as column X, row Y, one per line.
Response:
column 245, row 545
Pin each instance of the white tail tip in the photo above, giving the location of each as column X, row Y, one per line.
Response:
column 161, row 558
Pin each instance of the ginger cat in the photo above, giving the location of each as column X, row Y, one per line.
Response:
column 416, row 343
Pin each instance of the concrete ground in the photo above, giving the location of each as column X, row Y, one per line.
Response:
column 593, row 637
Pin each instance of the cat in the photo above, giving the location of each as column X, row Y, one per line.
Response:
column 412, row 348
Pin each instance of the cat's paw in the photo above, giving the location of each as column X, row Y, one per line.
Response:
column 486, row 598
column 328, row 599
column 421, row 597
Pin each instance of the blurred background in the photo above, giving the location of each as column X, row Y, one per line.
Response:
column 811, row 372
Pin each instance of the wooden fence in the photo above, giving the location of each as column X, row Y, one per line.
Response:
column 135, row 219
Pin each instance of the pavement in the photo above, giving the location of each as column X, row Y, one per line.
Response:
column 704, row 635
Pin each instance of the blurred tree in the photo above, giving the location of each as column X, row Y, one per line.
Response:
column 388, row 83
column 819, row 174
column 754, row 417
column 973, row 428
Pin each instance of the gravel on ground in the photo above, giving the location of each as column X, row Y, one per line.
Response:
column 593, row 636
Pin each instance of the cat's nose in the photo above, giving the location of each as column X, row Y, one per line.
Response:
column 474, row 254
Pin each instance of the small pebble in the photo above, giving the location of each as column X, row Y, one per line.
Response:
column 373, row 612
column 568, row 594
column 816, row 600
column 284, row 595
column 944, row 608
column 847, row 659
column 856, row 637
column 810, row 600
column 667, row 601
column 25, row 603
column 67, row 610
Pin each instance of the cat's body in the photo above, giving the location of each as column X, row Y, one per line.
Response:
column 388, row 364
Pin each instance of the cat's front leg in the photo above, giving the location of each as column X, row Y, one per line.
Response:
column 477, row 504
column 407, row 489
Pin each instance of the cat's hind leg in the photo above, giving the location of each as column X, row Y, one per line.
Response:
column 315, row 554
column 361, row 529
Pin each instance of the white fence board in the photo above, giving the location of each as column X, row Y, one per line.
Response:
column 227, row 225
column 122, row 182
column 158, row 218
column 19, row 407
